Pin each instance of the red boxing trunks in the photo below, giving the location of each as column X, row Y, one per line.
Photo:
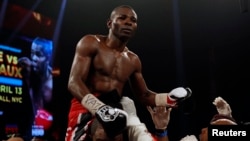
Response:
column 79, row 121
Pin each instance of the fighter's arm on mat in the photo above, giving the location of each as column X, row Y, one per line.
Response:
column 152, row 98
column 137, row 131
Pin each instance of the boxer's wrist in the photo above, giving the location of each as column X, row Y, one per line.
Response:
column 160, row 128
column 170, row 99
column 163, row 99
column 161, row 132
column 91, row 103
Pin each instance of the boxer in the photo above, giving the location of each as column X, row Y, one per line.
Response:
column 102, row 64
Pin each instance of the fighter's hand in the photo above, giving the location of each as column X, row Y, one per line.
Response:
column 173, row 98
column 25, row 63
column 222, row 106
column 113, row 120
column 180, row 94
column 160, row 116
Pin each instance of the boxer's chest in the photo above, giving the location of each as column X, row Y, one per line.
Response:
column 113, row 64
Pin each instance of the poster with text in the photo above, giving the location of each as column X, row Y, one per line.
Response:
column 26, row 80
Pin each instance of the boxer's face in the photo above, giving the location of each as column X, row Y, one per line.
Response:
column 38, row 57
column 100, row 135
column 123, row 23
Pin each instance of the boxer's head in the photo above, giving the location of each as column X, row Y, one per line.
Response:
column 122, row 22
column 15, row 139
column 98, row 133
column 37, row 139
column 41, row 53
column 223, row 117
column 217, row 119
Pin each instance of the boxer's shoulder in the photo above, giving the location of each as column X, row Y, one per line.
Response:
column 94, row 37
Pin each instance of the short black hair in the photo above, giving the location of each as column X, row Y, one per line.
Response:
column 119, row 7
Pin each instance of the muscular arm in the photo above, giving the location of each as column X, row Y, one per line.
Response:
column 139, row 86
column 85, row 50
column 150, row 98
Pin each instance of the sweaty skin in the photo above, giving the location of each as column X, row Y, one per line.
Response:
column 104, row 63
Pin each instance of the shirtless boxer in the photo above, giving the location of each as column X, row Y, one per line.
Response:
column 101, row 67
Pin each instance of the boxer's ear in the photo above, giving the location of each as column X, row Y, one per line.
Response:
column 109, row 23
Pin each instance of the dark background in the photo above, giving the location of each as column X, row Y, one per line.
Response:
column 202, row 44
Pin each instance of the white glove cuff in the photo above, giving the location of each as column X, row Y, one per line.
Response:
column 161, row 99
column 91, row 103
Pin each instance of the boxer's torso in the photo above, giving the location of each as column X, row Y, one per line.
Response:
column 110, row 68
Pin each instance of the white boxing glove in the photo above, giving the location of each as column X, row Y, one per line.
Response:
column 173, row 98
